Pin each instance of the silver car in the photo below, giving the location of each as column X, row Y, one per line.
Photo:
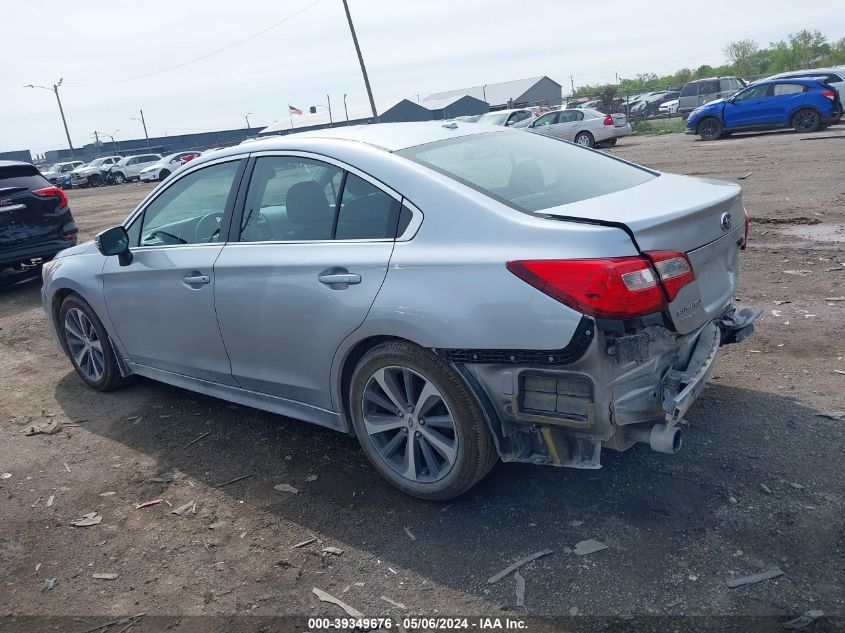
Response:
column 451, row 294
column 583, row 126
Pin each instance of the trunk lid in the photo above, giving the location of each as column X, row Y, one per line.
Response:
column 25, row 217
column 702, row 218
column 619, row 120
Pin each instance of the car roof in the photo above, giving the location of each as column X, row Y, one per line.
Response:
column 15, row 163
column 388, row 136
column 809, row 71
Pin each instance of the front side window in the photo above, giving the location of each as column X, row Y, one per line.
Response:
column 690, row 90
column 546, row 119
column 529, row 172
column 290, row 199
column 787, row 89
column 189, row 211
column 756, row 92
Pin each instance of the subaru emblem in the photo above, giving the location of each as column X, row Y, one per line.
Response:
column 726, row 221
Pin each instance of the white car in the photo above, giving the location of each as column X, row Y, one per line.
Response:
column 163, row 168
column 669, row 107
column 93, row 173
column 129, row 168
column 517, row 117
column 60, row 169
column 585, row 127
column 833, row 77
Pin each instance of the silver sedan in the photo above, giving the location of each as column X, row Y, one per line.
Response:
column 582, row 126
column 449, row 293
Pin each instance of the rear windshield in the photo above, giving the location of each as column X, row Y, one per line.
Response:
column 22, row 176
column 529, row 172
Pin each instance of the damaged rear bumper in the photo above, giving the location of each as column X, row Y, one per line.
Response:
column 632, row 384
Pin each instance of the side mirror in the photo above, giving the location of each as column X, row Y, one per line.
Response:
column 115, row 241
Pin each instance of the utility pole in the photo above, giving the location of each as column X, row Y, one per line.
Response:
column 97, row 142
column 146, row 136
column 329, row 101
column 344, row 109
column 360, row 61
column 55, row 89
column 572, row 82
column 246, row 117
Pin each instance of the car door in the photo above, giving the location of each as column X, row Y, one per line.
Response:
column 162, row 303
column 132, row 167
column 543, row 124
column 302, row 268
column 748, row 108
column 786, row 99
column 568, row 124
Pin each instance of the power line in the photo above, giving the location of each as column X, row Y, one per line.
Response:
column 198, row 59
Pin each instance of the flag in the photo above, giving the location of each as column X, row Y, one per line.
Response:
column 293, row 110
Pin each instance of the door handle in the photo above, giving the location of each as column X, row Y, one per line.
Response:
column 196, row 279
column 339, row 278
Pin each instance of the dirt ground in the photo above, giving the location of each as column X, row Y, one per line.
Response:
column 759, row 484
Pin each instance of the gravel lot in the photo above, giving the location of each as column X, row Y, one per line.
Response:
column 759, row 483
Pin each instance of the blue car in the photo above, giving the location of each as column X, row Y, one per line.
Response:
column 803, row 104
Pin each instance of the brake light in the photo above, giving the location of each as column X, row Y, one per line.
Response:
column 674, row 271
column 747, row 227
column 52, row 192
column 613, row 288
column 829, row 94
column 608, row 120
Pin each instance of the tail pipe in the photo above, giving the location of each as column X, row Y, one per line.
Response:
column 662, row 438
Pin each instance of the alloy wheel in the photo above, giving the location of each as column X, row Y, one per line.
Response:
column 410, row 424
column 85, row 346
column 806, row 120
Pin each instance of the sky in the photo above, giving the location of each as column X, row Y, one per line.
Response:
column 113, row 56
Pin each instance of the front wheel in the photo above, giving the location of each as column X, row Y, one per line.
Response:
column 87, row 345
column 710, row 129
column 806, row 120
column 584, row 139
column 418, row 423
column 163, row 174
column 118, row 178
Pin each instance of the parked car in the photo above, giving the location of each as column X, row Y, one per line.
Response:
column 35, row 218
column 187, row 158
column 650, row 106
column 129, row 167
column 669, row 107
column 447, row 293
column 58, row 169
column 697, row 93
column 834, row 77
column 94, row 173
column 469, row 118
column 507, row 118
column 804, row 104
column 164, row 167
column 583, row 127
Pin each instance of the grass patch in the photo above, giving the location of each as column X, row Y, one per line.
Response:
column 659, row 126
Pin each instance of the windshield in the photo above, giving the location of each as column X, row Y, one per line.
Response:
column 96, row 162
column 494, row 118
column 529, row 172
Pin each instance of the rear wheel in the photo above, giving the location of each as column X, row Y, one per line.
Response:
column 418, row 423
column 585, row 139
column 611, row 141
column 806, row 120
column 710, row 129
column 87, row 345
column 94, row 180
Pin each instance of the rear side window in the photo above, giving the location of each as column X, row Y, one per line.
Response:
column 26, row 176
column 788, row 89
column 526, row 171
column 366, row 212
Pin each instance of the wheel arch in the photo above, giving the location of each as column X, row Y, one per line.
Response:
column 805, row 106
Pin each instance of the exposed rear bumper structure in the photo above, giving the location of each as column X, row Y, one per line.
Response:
column 631, row 384
column 32, row 253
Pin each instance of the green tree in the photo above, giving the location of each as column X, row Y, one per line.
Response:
column 743, row 56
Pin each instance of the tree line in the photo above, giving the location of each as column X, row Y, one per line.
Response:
column 744, row 58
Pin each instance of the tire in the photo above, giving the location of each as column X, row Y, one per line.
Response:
column 435, row 474
column 95, row 362
column 585, row 139
column 118, row 178
column 611, row 141
column 163, row 174
column 94, row 180
column 806, row 120
column 710, row 129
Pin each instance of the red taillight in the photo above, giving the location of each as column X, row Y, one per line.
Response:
column 52, row 192
column 674, row 271
column 829, row 94
column 614, row 288
column 608, row 120
column 70, row 235
column 747, row 227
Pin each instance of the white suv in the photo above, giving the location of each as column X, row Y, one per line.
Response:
column 93, row 174
column 129, row 168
